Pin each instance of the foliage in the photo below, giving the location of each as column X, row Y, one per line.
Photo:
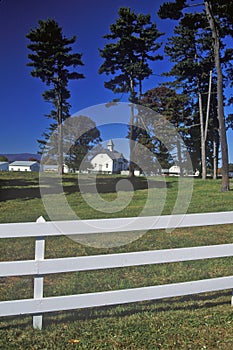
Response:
column 3, row 159
column 176, row 109
column 127, row 57
column 80, row 135
column 191, row 51
column 54, row 64
column 143, row 150
column 220, row 25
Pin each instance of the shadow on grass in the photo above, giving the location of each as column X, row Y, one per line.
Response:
column 110, row 185
column 167, row 305
column 163, row 305
column 196, row 302
column 29, row 189
column 11, row 189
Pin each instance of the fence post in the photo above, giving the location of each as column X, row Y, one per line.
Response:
column 38, row 279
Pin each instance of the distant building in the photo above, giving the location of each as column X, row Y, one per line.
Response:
column 50, row 168
column 4, row 166
column 53, row 168
column 109, row 161
column 22, row 165
column 174, row 170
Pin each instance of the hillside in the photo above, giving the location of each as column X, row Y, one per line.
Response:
column 20, row 156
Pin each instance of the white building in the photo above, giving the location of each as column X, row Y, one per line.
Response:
column 21, row 165
column 53, row 168
column 109, row 161
column 4, row 166
column 174, row 170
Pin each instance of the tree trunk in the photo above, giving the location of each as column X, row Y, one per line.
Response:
column 215, row 160
column 60, row 150
column 131, row 142
column 221, row 117
column 203, row 150
column 60, row 136
column 208, row 106
column 140, row 90
column 179, row 156
column 132, row 132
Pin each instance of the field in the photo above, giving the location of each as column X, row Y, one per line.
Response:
column 197, row 322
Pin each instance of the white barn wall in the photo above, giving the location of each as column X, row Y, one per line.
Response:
column 102, row 162
column 27, row 166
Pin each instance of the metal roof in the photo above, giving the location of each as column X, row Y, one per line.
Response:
column 23, row 163
column 114, row 155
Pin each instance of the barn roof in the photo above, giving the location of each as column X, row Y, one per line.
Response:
column 114, row 155
column 23, row 163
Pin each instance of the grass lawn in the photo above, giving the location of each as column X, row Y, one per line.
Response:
column 197, row 322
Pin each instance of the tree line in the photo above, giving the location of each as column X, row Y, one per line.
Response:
column 193, row 100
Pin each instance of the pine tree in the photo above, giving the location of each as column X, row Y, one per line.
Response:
column 191, row 51
column 219, row 16
column 54, row 64
column 126, row 59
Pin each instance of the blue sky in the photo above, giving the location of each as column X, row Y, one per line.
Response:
column 22, row 107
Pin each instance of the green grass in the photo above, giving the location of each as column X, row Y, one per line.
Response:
column 21, row 199
column 195, row 322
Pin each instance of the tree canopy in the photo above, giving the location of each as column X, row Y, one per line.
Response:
column 126, row 59
column 193, row 100
column 216, row 12
column 55, row 65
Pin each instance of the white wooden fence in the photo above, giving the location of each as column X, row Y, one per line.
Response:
column 40, row 266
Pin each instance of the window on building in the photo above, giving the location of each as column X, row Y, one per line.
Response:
column 106, row 165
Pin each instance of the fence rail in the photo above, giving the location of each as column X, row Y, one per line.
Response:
column 40, row 266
